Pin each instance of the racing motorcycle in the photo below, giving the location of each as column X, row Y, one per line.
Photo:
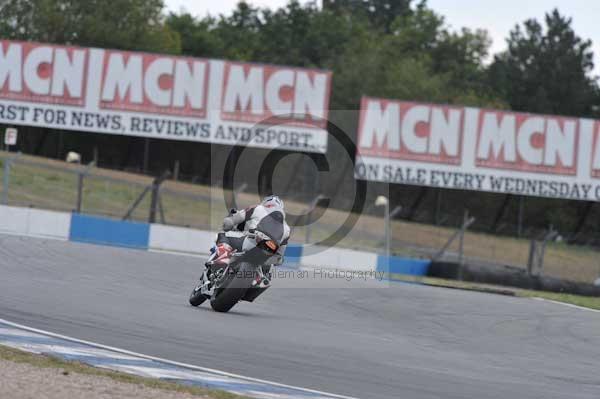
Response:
column 234, row 275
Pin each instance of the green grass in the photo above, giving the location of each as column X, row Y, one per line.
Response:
column 69, row 367
column 31, row 185
column 585, row 301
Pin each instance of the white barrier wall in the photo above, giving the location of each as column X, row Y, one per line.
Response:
column 14, row 220
column 49, row 224
column 179, row 239
column 347, row 259
column 106, row 231
column 34, row 222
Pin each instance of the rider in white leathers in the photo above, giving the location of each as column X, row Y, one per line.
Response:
column 268, row 217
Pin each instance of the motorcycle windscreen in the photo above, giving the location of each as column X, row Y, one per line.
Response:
column 272, row 225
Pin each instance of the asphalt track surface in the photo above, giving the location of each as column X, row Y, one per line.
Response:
column 363, row 339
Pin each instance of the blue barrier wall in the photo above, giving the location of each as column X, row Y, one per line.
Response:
column 105, row 231
column 293, row 254
column 98, row 230
column 395, row 265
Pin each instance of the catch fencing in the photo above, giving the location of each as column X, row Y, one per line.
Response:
column 47, row 184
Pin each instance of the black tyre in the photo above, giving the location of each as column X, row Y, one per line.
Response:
column 196, row 297
column 234, row 290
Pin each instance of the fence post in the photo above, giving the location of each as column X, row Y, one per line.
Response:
column 176, row 171
column 80, row 177
column 6, row 177
column 154, row 199
column 532, row 256
column 537, row 251
column 520, row 217
column 387, row 229
column 153, row 203
column 79, row 191
column 5, row 181
column 461, row 240
column 308, row 211
column 461, row 245
column 467, row 222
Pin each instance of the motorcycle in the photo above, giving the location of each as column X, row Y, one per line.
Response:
column 234, row 275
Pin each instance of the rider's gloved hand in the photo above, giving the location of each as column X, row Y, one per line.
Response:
column 228, row 224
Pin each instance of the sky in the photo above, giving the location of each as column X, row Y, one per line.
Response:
column 497, row 17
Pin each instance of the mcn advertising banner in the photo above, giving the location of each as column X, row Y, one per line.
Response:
column 160, row 96
column 467, row 148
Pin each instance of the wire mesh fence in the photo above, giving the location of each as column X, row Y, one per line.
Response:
column 48, row 184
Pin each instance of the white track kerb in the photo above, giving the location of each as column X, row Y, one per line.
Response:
column 43, row 342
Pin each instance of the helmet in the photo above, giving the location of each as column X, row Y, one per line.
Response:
column 272, row 201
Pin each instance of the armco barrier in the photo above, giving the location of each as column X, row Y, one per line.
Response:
column 105, row 231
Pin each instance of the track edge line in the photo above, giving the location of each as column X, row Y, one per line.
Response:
column 569, row 305
column 170, row 362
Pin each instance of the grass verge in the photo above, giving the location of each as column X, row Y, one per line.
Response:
column 584, row 301
column 68, row 367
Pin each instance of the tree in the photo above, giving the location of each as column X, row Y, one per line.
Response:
column 422, row 60
column 301, row 35
column 381, row 13
column 239, row 33
column 120, row 24
column 546, row 70
column 197, row 36
column 411, row 55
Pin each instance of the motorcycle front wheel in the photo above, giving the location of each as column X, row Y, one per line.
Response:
column 196, row 297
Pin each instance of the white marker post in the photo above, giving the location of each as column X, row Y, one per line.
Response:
column 10, row 137
column 385, row 202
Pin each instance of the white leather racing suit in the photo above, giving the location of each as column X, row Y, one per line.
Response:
column 267, row 218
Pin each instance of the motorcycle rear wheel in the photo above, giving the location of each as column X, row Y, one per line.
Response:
column 234, row 290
